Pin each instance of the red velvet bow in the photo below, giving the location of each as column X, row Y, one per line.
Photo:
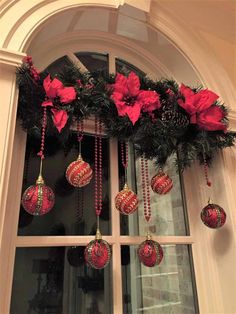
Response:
column 201, row 108
column 54, row 89
column 130, row 100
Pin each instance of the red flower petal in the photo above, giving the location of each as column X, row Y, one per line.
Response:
column 47, row 103
column 150, row 100
column 210, row 119
column 120, row 85
column 60, row 118
column 67, row 94
column 133, row 84
column 186, row 91
column 207, row 98
column 51, row 88
column 117, row 96
column 133, row 112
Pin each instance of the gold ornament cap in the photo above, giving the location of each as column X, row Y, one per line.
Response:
column 98, row 235
column 40, row 180
column 149, row 236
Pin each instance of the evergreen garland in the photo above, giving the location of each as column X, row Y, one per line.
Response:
column 157, row 135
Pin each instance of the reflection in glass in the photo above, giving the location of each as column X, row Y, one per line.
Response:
column 168, row 211
column 164, row 289
column 93, row 61
column 73, row 212
column 47, row 281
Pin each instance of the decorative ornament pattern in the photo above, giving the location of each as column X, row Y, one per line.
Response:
column 126, row 201
column 150, row 252
column 79, row 173
column 161, row 183
column 213, row 216
column 38, row 199
column 97, row 253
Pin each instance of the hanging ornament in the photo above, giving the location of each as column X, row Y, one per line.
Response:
column 79, row 172
column 39, row 199
column 213, row 216
column 150, row 252
column 161, row 183
column 98, row 253
column 126, row 201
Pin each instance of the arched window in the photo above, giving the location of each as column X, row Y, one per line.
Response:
column 49, row 254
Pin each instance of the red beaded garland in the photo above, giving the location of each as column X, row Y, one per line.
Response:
column 161, row 183
column 126, row 201
column 38, row 199
column 150, row 253
column 213, row 216
column 97, row 253
column 79, row 173
column 145, row 189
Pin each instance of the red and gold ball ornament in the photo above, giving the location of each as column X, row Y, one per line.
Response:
column 150, row 252
column 79, row 173
column 38, row 199
column 126, row 201
column 213, row 216
column 97, row 253
column 161, row 183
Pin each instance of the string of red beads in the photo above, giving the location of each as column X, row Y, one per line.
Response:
column 41, row 152
column 208, row 182
column 145, row 189
column 98, row 167
column 80, row 130
column 124, row 155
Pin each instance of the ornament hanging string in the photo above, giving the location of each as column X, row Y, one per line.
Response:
column 80, row 133
column 98, row 169
column 145, row 189
column 125, row 157
column 41, row 152
column 208, row 182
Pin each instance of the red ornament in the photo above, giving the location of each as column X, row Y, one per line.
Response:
column 126, row 201
column 161, row 183
column 38, row 199
column 79, row 173
column 97, row 253
column 150, row 252
column 213, row 216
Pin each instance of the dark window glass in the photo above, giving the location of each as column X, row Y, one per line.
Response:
column 56, row 280
column 73, row 212
column 93, row 61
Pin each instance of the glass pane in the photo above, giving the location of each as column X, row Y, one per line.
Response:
column 93, row 61
column 165, row 289
column 56, row 66
column 55, row 280
column 126, row 67
column 73, row 212
column 168, row 215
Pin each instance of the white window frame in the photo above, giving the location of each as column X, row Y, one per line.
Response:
column 115, row 239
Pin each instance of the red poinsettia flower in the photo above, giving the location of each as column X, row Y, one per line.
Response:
column 201, row 108
column 130, row 100
column 53, row 89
